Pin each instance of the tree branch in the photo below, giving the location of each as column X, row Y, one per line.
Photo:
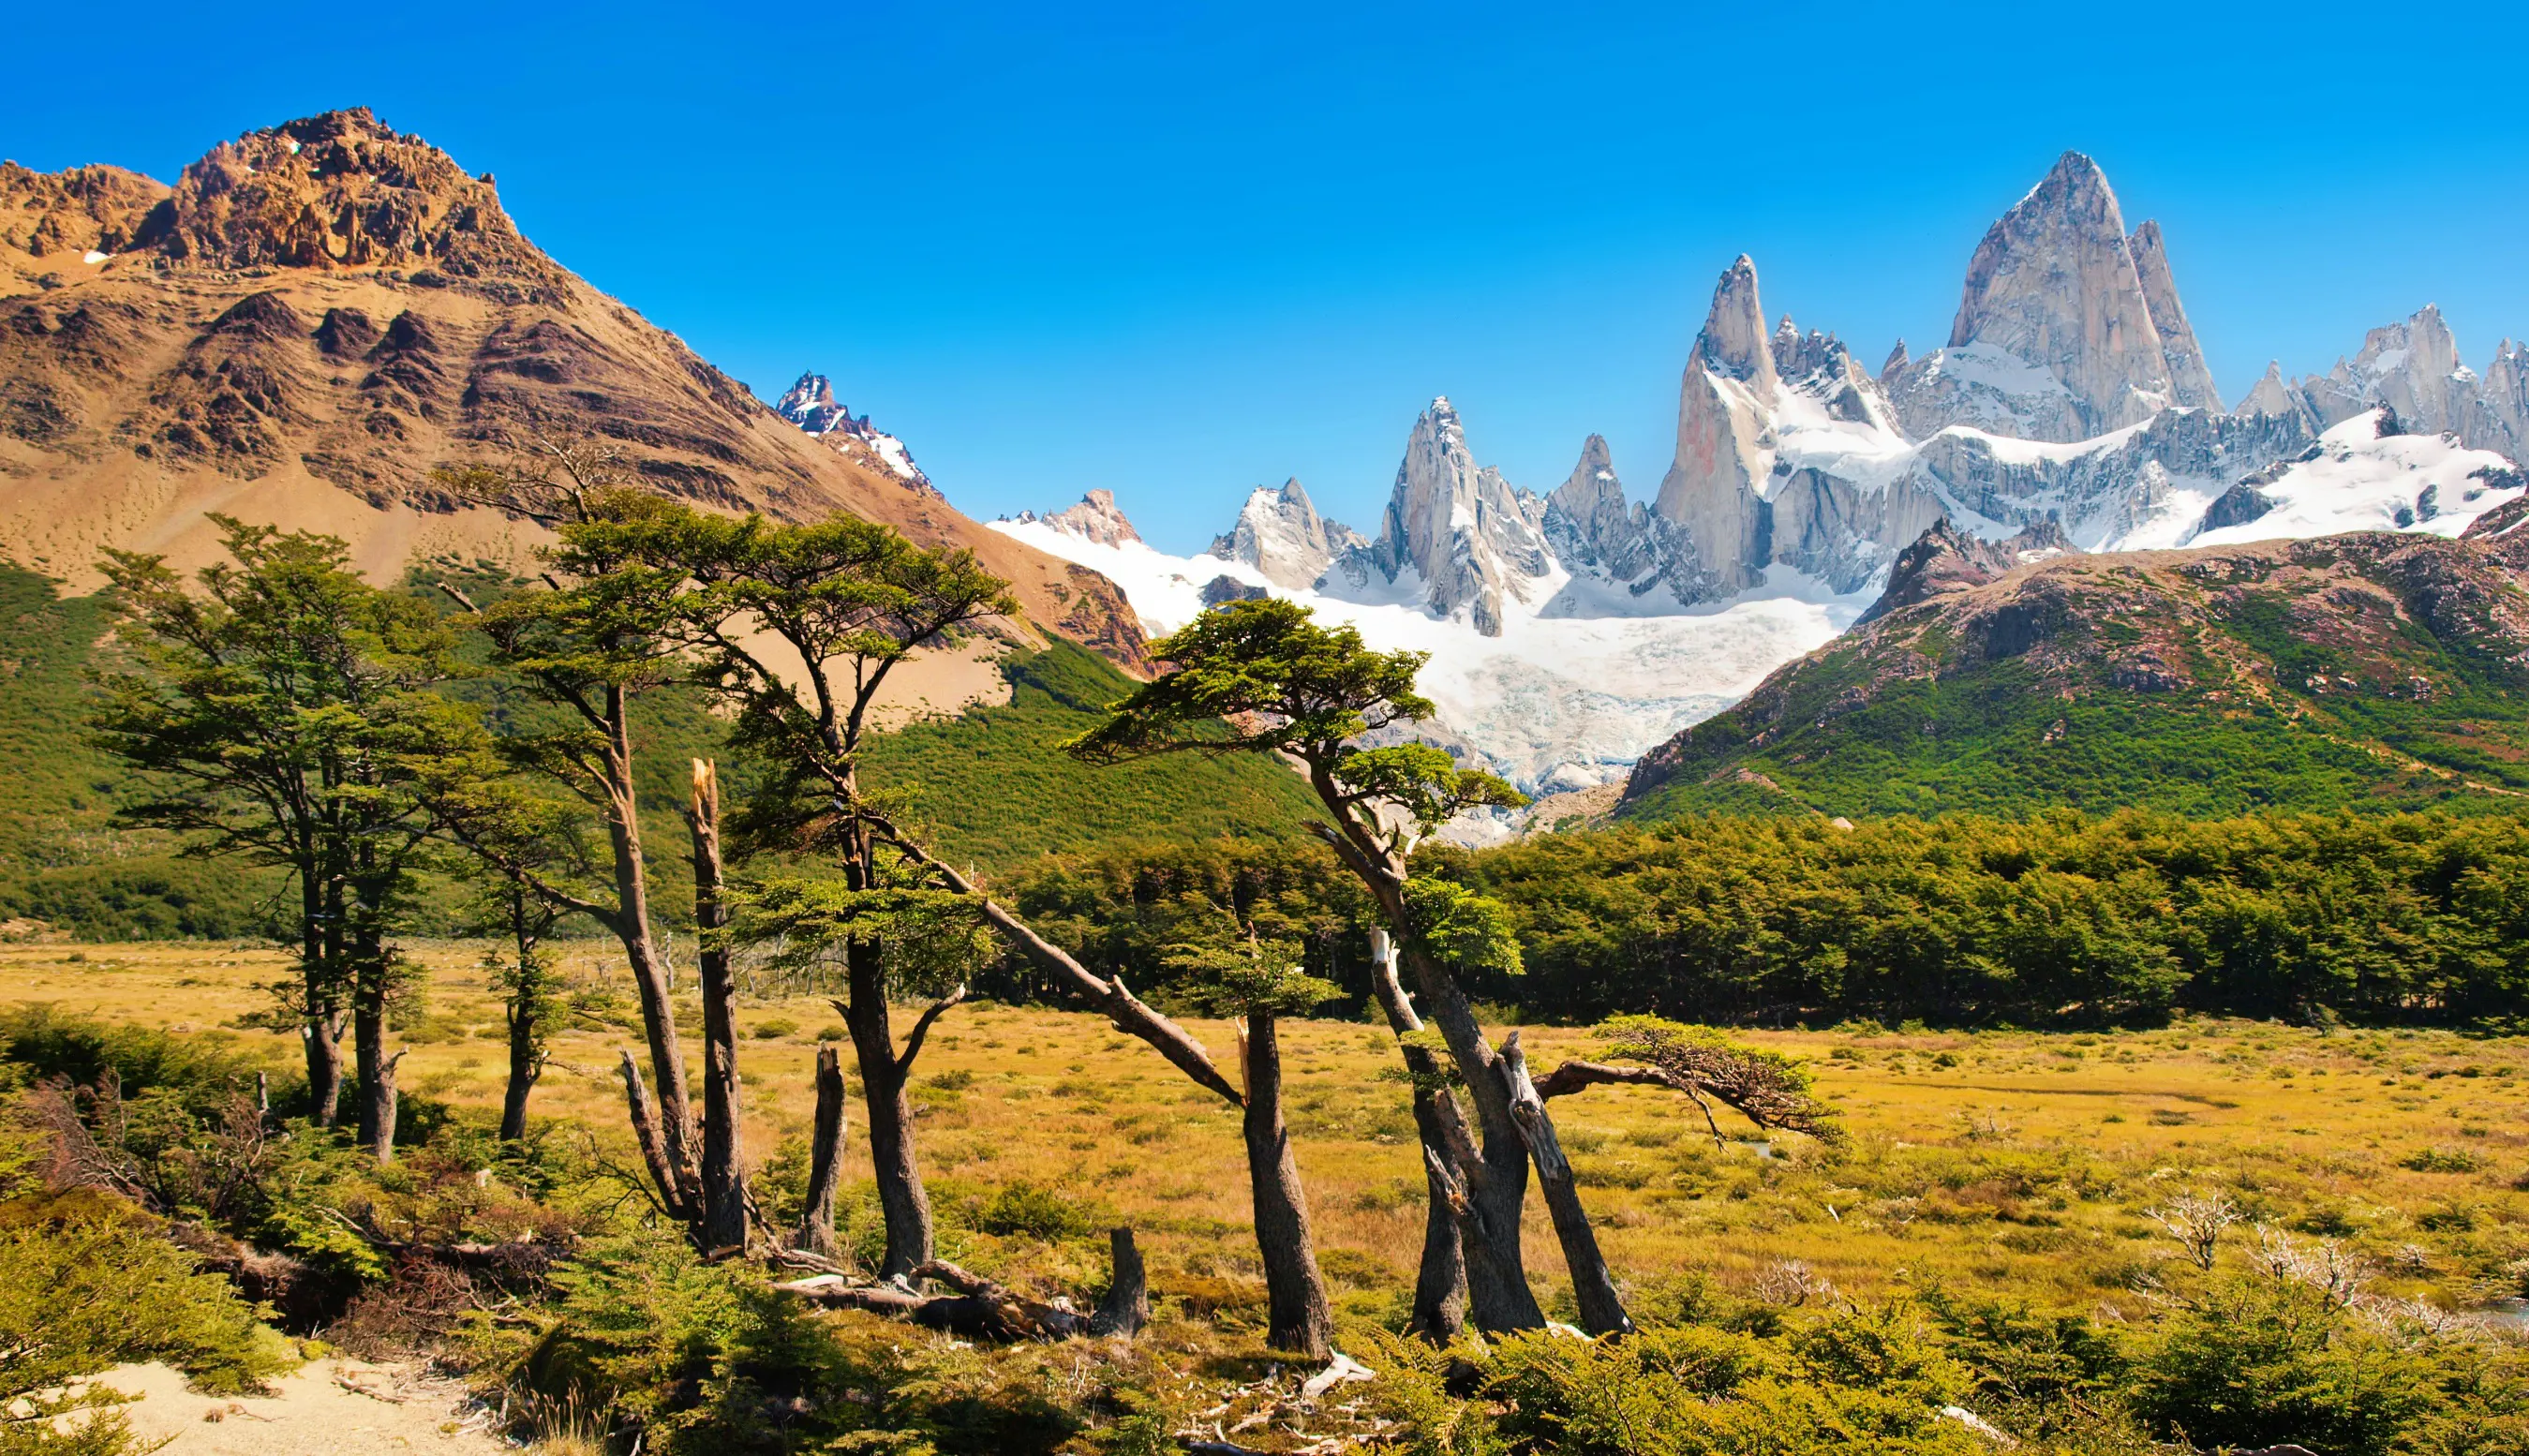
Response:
column 922, row 1029
column 1128, row 1013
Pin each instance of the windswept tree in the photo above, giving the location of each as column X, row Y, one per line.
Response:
column 282, row 709
column 1263, row 676
column 797, row 628
column 589, row 639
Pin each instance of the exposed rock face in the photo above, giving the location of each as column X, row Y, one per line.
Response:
column 317, row 314
column 1589, row 522
column 810, row 404
column 2054, row 338
column 1712, row 493
column 1945, row 558
column 340, row 190
column 66, row 215
column 1474, row 543
column 2414, row 369
column 2499, row 416
column 1095, row 518
column 2273, row 399
column 1280, row 534
column 2191, row 379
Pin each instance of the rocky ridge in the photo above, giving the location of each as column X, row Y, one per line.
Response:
column 2268, row 674
column 1281, row 535
column 810, row 404
column 316, row 314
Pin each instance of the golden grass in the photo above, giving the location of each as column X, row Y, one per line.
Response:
column 2005, row 1159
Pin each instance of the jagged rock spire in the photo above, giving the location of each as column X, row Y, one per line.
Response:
column 2191, row 379
column 2054, row 284
column 1476, row 543
column 1734, row 342
column 1724, row 404
column 1280, row 534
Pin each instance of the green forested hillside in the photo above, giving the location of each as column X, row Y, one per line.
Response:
column 2366, row 670
column 990, row 785
column 60, row 858
column 995, row 791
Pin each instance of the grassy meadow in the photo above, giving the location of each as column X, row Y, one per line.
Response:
column 2009, row 1163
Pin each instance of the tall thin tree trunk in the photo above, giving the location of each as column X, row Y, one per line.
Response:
column 321, row 1030
column 1297, row 1316
column 825, row 1153
column 723, row 1169
column 369, row 978
column 526, row 1008
column 901, row 1196
column 1441, row 1284
column 682, row 1190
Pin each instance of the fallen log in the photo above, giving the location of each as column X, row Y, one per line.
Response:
column 984, row 1310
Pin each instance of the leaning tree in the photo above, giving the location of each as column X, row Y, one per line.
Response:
column 1263, row 676
column 588, row 639
column 797, row 628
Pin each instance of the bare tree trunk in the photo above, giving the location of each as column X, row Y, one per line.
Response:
column 526, row 1065
column 322, row 1034
column 723, row 1170
column 380, row 1109
column 1126, row 1307
column 825, row 1156
column 673, row 1194
column 377, row 1118
column 889, row 1112
column 675, row 1117
column 1297, row 1316
column 1441, row 1284
column 1496, row 1183
column 1603, row 1312
column 528, row 998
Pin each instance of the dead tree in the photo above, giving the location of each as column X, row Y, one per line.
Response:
column 824, row 1154
column 723, row 1222
column 983, row 1310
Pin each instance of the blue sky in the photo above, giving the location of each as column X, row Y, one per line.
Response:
column 1182, row 250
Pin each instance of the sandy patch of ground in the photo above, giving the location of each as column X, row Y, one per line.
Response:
column 942, row 683
column 320, row 1409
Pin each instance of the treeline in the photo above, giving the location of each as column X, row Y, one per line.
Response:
column 2060, row 919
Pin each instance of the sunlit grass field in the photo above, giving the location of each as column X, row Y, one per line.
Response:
column 2009, row 1161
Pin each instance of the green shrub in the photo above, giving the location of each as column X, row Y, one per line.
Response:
column 2442, row 1161
column 87, row 1284
column 1026, row 1209
column 2261, row 1361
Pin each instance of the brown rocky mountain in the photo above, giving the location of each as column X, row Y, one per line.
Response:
column 2316, row 674
column 318, row 313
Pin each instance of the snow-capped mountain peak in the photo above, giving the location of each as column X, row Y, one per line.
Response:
column 810, row 404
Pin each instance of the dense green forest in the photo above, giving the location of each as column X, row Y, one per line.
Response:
column 2059, row 919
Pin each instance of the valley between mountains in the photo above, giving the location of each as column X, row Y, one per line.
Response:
column 1982, row 914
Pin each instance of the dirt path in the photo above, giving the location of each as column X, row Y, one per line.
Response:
column 318, row 1410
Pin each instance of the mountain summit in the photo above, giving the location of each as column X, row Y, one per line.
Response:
column 318, row 313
